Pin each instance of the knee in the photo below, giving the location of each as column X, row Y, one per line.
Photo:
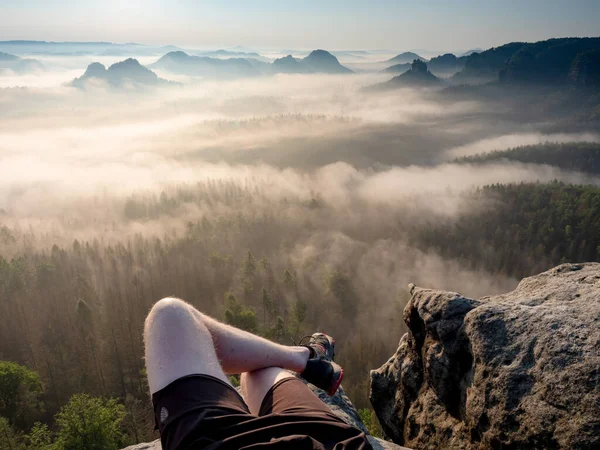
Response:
column 268, row 374
column 169, row 311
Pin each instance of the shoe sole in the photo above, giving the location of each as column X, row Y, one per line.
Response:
column 339, row 375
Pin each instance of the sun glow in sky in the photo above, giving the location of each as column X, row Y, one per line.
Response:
column 444, row 25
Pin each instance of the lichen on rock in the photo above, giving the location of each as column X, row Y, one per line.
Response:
column 518, row 370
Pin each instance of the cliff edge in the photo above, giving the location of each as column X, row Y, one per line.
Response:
column 518, row 370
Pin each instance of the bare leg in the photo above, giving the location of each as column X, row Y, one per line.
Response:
column 240, row 351
column 180, row 341
column 177, row 344
column 255, row 385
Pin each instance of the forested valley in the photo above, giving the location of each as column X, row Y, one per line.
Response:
column 283, row 205
column 242, row 266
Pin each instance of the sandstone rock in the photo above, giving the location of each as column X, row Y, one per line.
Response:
column 518, row 370
column 341, row 405
column 154, row 445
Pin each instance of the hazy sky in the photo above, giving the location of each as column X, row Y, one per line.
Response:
column 301, row 24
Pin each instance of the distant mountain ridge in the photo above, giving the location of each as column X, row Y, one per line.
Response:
column 8, row 57
column 128, row 73
column 545, row 62
column 470, row 52
column 318, row 61
column 181, row 63
column 397, row 68
column 418, row 76
column 447, row 64
column 406, row 57
column 19, row 65
column 221, row 53
column 444, row 65
column 25, row 47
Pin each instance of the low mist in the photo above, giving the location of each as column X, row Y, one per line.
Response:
column 315, row 175
column 72, row 158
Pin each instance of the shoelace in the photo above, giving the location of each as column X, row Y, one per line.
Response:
column 313, row 352
column 303, row 337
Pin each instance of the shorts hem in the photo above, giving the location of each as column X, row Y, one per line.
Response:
column 158, row 394
column 195, row 375
column 270, row 392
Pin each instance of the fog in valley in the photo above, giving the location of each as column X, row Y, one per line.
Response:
column 313, row 198
column 374, row 163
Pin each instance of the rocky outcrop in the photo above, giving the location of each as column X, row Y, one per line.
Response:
column 585, row 71
column 340, row 404
column 417, row 76
column 318, row 61
column 518, row 370
column 443, row 65
column 128, row 73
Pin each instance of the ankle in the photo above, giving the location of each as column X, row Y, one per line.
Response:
column 311, row 352
column 303, row 354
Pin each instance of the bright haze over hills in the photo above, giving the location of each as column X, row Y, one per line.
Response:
column 438, row 25
column 291, row 166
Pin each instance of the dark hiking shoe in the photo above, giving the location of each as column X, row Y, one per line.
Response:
column 320, row 369
column 321, row 344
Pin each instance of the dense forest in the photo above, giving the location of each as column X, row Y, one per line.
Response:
column 73, row 313
column 576, row 156
column 284, row 206
column 553, row 61
column 522, row 229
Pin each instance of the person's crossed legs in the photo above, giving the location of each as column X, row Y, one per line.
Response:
column 187, row 357
column 181, row 341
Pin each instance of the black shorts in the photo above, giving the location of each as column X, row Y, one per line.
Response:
column 203, row 412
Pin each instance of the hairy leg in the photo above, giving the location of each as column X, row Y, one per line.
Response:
column 240, row 351
column 177, row 344
column 180, row 341
column 255, row 385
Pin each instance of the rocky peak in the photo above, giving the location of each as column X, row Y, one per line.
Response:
column 129, row 71
column 518, row 370
column 417, row 76
column 289, row 59
column 131, row 68
column 95, row 70
column 418, row 66
column 323, row 61
column 176, row 56
column 322, row 56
